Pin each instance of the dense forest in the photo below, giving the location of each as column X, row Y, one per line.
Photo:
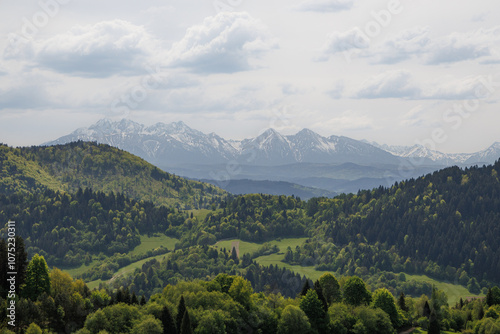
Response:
column 51, row 300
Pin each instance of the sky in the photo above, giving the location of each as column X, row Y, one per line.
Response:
column 396, row 72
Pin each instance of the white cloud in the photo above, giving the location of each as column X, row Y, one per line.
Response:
column 403, row 46
column 224, row 43
column 452, row 48
column 337, row 42
column 391, row 84
column 325, row 5
column 99, row 50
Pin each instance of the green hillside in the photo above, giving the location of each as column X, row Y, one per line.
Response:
column 101, row 168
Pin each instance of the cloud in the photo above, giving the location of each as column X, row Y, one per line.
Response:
column 225, row 43
column 403, row 46
column 325, row 5
column 452, row 48
column 391, row 84
column 347, row 41
column 99, row 50
column 460, row 89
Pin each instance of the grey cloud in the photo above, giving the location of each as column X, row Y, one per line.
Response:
column 100, row 50
column 392, row 84
column 325, row 5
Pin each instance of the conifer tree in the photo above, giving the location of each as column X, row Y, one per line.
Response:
column 186, row 324
column 181, row 309
column 167, row 321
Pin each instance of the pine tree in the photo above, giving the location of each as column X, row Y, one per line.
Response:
column 167, row 321
column 402, row 302
column 305, row 288
column 21, row 263
column 321, row 297
column 186, row 324
column 181, row 309
column 434, row 327
column 313, row 308
column 427, row 310
column 234, row 256
column 143, row 300
column 133, row 299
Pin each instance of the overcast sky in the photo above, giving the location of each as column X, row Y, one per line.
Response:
column 394, row 72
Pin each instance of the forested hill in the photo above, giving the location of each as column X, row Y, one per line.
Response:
column 100, row 167
column 445, row 224
column 450, row 217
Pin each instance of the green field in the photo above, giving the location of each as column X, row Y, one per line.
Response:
column 453, row 291
column 147, row 244
column 250, row 247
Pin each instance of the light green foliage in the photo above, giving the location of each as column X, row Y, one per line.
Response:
column 34, row 329
column 148, row 325
column 293, row 320
column 487, row 326
column 355, row 291
column 241, row 290
column 118, row 318
column 384, row 300
column 374, row 320
column 37, row 278
column 211, row 322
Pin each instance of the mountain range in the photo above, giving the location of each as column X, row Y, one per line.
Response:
column 334, row 163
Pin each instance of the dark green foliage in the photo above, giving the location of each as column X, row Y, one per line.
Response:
column 321, row 297
column 493, row 296
column 427, row 310
column 306, row 287
column 355, row 292
column 331, row 288
column 186, row 324
column 181, row 309
column 167, row 321
column 434, row 327
column 402, row 302
column 313, row 308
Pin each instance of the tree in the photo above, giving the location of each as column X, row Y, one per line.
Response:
column 293, row 320
column 181, row 309
column 402, row 302
column 305, row 288
column 331, row 288
column 234, row 256
column 34, row 329
column 186, row 324
column 37, row 278
column 434, row 327
column 313, row 308
column 149, row 325
column 493, row 296
column 319, row 291
column 427, row 310
column 384, row 300
column 167, row 321
column 355, row 291
column 240, row 291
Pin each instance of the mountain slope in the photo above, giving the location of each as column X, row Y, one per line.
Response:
column 100, row 167
column 176, row 144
